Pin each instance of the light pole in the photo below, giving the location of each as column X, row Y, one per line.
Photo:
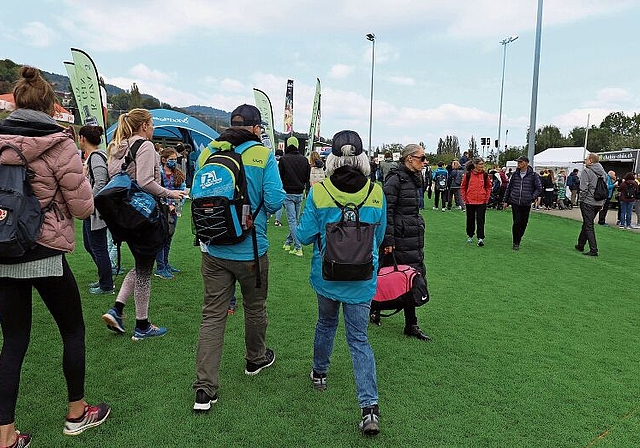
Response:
column 504, row 44
column 371, row 37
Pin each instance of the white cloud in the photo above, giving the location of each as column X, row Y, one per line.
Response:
column 402, row 80
column 610, row 97
column 232, row 85
column 38, row 34
column 144, row 72
column 578, row 118
column 340, row 71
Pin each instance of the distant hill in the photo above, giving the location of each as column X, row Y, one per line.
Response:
column 208, row 112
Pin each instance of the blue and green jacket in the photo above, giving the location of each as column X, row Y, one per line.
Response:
column 320, row 210
column 263, row 184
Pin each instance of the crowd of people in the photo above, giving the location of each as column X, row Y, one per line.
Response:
column 390, row 194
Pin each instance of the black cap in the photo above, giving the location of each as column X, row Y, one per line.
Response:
column 246, row 115
column 346, row 143
column 522, row 159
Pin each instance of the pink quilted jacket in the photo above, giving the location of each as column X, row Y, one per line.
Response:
column 58, row 174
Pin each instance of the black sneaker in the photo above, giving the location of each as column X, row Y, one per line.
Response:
column 370, row 424
column 204, row 401
column 516, row 247
column 374, row 318
column 319, row 380
column 254, row 369
column 415, row 332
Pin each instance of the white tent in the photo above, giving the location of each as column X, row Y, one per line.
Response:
column 567, row 158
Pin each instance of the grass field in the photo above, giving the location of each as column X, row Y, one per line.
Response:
column 536, row 348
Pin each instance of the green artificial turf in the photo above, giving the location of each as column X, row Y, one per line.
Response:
column 536, row 348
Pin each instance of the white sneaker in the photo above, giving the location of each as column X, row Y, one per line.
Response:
column 435, row 208
column 443, row 209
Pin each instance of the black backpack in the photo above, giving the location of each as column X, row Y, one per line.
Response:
column 348, row 251
column 133, row 215
column 441, row 181
column 20, row 213
column 601, row 191
column 631, row 190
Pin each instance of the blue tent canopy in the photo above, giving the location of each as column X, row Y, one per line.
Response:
column 176, row 125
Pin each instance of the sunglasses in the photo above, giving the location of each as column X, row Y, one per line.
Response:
column 422, row 158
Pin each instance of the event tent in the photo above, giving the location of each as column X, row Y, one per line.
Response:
column 567, row 158
column 174, row 125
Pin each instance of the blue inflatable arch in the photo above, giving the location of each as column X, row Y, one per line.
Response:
column 176, row 125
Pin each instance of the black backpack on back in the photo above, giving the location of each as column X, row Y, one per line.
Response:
column 601, row 191
column 348, row 251
column 20, row 213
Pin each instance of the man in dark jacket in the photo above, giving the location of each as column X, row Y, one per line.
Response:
column 294, row 171
column 523, row 188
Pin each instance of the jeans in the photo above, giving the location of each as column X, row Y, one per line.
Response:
column 520, row 215
column 476, row 213
column 292, row 204
column 626, row 209
column 95, row 243
column 602, row 216
column 356, row 322
column 587, row 233
column 219, row 277
column 62, row 299
column 162, row 257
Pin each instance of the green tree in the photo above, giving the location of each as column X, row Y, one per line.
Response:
column 136, row 97
column 449, row 145
column 549, row 136
column 473, row 147
column 512, row 153
column 617, row 123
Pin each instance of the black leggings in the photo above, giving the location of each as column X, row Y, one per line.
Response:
column 62, row 298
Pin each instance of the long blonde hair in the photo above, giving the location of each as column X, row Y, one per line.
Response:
column 128, row 124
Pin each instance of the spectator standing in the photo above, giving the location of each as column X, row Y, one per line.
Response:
column 317, row 173
column 137, row 124
column 441, row 185
column 223, row 265
column 455, row 182
column 611, row 184
column 405, row 227
column 628, row 192
column 476, row 190
column 524, row 187
column 636, row 205
column 347, row 170
column 94, row 229
column 573, row 182
column 294, row 172
column 589, row 206
column 60, row 186
column 387, row 165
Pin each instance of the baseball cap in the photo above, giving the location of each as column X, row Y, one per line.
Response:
column 346, row 143
column 246, row 115
column 292, row 141
column 522, row 159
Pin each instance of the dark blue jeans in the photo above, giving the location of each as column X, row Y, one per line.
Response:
column 95, row 242
column 162, row 257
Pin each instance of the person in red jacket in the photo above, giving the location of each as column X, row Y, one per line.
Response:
column 476, row 189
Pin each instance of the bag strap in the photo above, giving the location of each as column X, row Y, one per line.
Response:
column 133, row 150
column 90, row 167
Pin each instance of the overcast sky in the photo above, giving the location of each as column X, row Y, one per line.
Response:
column 438, row 64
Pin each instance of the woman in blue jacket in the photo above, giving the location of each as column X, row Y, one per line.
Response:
column 346, row 181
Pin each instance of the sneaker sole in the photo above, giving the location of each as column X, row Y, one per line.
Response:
column 255, row 372
column 371, row 429
column 68, row 432
column 203, row 407
column 319, row 387
column 140, row 338
column 112, row 324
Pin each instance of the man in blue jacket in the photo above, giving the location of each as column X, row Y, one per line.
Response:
column 223, row 265
column 524, row 187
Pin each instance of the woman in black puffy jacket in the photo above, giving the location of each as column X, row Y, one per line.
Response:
column 404, row 236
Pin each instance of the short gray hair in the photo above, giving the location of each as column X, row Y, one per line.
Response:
column 359, row 162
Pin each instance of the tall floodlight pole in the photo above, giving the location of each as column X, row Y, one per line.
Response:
column 534, row 88
column 371, row 37
column 504, row 44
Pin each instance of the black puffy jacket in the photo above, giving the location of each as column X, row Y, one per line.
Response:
column 405, row 225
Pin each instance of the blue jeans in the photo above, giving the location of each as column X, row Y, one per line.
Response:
column 95, row 243
column 626, row 209
column 292, row 204
column 356, row 322
column 162, row 257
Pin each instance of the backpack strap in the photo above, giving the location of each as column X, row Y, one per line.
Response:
column 131, row 156
column 90, row 168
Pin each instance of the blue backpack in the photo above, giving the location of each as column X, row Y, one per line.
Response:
column 20, row 213
column 133, row 215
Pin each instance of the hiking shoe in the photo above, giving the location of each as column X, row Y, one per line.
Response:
column 22, row 440
column 92, row 416
column 254, row 369
column 286, row 247
column 470, row 240
column 277, row 223
column 94, row 284
column 319, row 380
column 204, row 401
column 114, row 321
column 480, row 242
column 591, row 254
column 100, row 291
column 164, row 274
column 374, row 318
column 296, row 252
column 151, row 332
column 370, row 424
column 414, row 331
